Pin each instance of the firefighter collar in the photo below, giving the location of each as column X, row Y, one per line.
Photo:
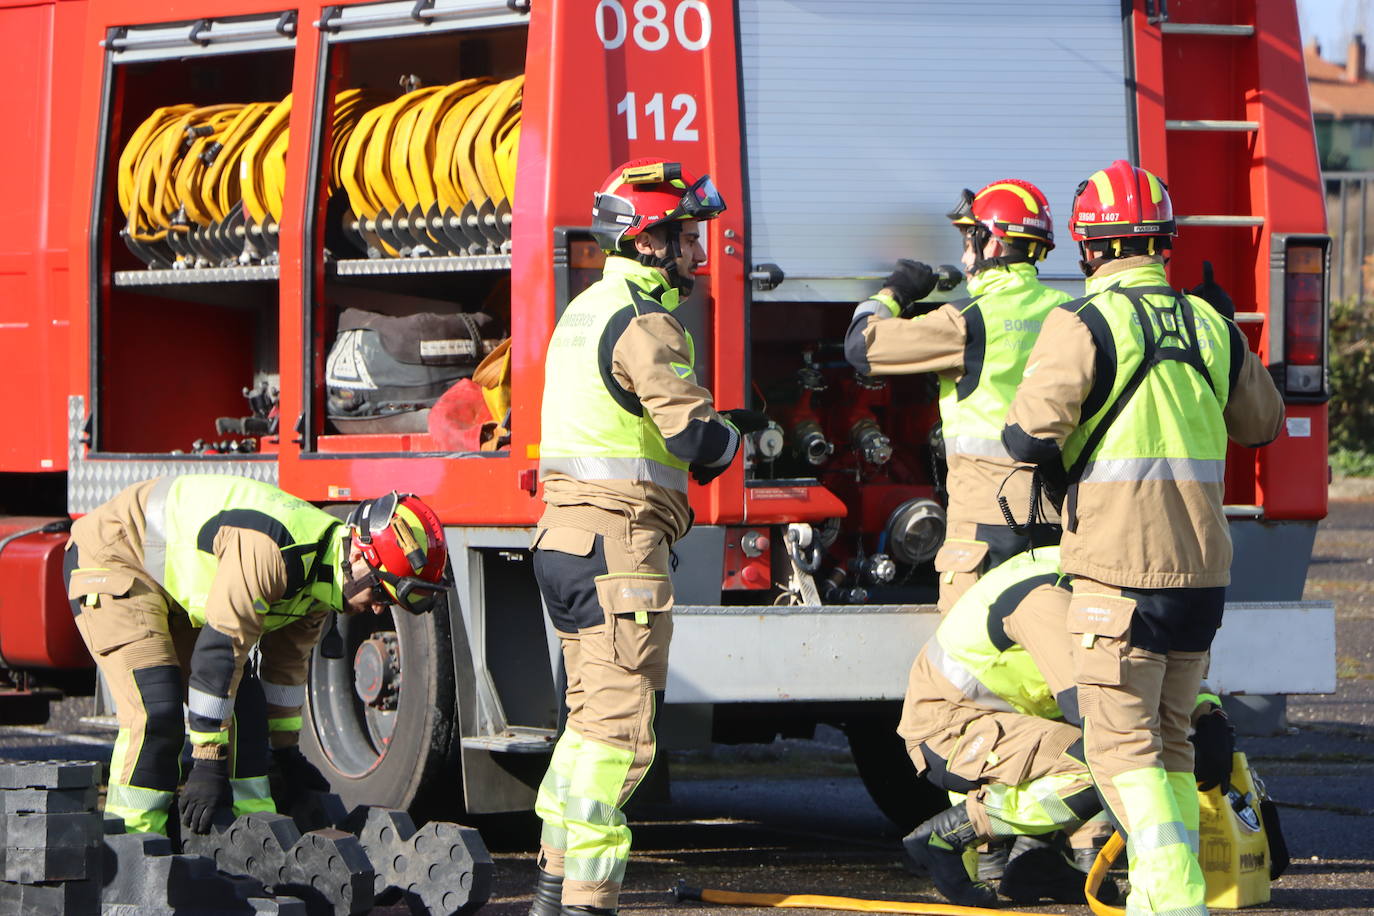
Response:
column 649, row 279
column 1001, row 279
column 1149, row 273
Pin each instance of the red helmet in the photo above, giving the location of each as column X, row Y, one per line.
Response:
column 1008, row 209
column 402, row 542
column 644, row 193
column 1120, row 202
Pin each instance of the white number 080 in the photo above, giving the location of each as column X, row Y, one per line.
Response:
column 651, row 29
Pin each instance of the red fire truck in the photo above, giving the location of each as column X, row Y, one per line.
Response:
column 146, row 286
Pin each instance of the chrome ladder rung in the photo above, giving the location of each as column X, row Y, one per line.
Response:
column 1249, row 318
column 1219, row 220
column 1206, row 28
column 1212, row 124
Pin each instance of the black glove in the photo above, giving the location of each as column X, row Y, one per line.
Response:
column 1216, row 297
column 206, row 789
column 746, row 421
column 909, row 281
column 1214, row 741
column 704, row 475
column 298, row 774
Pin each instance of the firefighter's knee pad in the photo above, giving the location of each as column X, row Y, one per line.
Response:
column 164, row 732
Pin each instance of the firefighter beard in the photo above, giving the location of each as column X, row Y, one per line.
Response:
column 610, row 599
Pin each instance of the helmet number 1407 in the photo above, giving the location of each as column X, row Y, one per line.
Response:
column 651, row 27
column 683, row 131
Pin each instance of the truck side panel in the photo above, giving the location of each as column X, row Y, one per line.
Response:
column 40, row 70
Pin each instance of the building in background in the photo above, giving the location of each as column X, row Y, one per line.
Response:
column 1342, row 97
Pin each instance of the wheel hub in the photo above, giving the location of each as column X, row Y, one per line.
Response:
column 377, row 670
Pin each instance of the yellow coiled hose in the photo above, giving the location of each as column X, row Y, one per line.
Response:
column 417, row 170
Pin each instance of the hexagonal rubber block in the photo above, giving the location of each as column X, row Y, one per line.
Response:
column 317, row 810
column 35, row 831
column 329, row 870
column 49, row 774
column 254, row 845
column 383, row 833
column 60, row 863
column 205, row 844
column 447, row 869
column 48, row 801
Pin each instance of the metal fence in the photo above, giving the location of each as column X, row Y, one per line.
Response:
column 1351, row 222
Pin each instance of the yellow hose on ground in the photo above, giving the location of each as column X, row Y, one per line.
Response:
column 1105, row 857
column 822, row 902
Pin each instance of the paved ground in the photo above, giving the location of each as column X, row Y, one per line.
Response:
column 793, row 816
column 733, row 825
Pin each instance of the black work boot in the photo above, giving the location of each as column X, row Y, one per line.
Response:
column 938, row 846
column 1083, row 859
column 992, row 859
column 548, row 895
column 1041, row 867
column 586, row 911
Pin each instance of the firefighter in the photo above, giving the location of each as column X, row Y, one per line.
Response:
column 625, row 424
column 1127, row 404
column 175, row 580
column 983, row 717
column 979, row 347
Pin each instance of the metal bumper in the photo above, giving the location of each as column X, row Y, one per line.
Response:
column 727, row 654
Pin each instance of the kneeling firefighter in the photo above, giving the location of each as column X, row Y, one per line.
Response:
column 984, row 717
column 625, row 424
column 979, row 347
column 175, row 580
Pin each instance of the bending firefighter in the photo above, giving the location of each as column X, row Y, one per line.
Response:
column 625, row 424
column 983, row 716
column 980, row 717
column 1135, row 391
column 175, row 580
column 979, row 347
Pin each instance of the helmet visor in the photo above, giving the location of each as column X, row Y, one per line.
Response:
column 701, row 201
column 374, row 516
column 963, row 211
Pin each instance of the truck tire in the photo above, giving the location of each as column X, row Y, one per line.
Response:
column 408, row 755
column 881, row 758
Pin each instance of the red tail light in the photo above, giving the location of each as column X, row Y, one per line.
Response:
column 1304, row 317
